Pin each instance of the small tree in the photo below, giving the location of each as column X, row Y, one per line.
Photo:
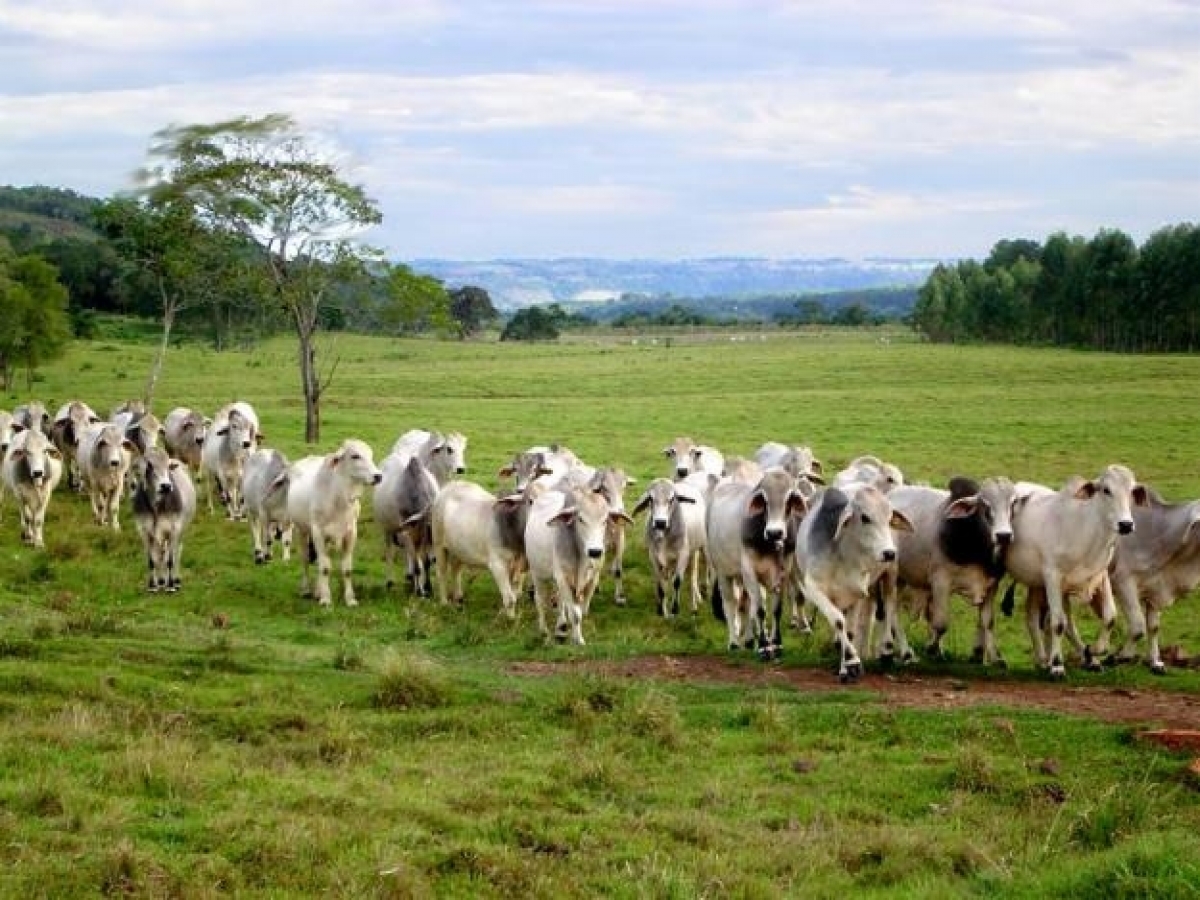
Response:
column 471, row 308
column 34, row 323
column 530, row 324
column 264, row 180
column 415, row 303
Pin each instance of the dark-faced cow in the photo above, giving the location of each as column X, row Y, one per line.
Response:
column 69, row 422
column 164, row 504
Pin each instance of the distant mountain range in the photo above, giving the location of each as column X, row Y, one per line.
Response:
column 515, row 283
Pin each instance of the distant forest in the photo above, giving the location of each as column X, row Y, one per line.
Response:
column 1104, row 292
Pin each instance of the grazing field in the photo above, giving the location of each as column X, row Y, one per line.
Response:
column 236, row 739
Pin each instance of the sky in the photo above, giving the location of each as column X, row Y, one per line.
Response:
column 663, row 129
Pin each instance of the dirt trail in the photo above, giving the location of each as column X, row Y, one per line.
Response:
column 1119, row 705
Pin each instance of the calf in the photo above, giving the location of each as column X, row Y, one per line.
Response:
column 164, row 504
column 233, row 434
column 687, row 457
column 403, row 503
column 610, row 482
column 104, row 455
column 69, row 422
column 843, row 549
column 265, row 498
column 751, row 534
column 444, row 455
column 32, row 469
column 323, row 505
column 958, row 542
column 472, row 528
column 1063, row 543
column 1152, row 568
column 564, row 543
column 667, row 535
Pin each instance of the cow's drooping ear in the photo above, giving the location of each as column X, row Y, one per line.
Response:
column 335, row 458
column 618, row 517
column 963, row 507
column 814, row 477
column 1086, row 491
column 684, row 498
column 507, row 471
column 19, row 453
column 642, row 503
column 815, row 466
column 128, row 445
column 563, row 517
column 900, row 522
column 757, row 504
column 796, row 503
column 17, row 427
column 1140, row 497
column 53, row 453
column 221, row 432
column 843, row 520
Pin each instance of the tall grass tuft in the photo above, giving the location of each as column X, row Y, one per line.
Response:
column 413, row 681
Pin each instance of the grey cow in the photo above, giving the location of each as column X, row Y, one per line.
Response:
column 164, row 504
column 667, row 541
column 403, row 507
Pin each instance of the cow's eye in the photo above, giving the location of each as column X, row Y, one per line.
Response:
column 1107, row 492
column 866, row 520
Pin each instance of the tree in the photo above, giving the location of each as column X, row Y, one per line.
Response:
column 414, row 303
column 471, row 308
column 266, row 181
column 34, row 324
column 530, row 324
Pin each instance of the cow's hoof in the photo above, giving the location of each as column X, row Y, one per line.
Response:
column 848, row 676
column 887, row 660
column 259, row 559
column 1058, row 673
column 1157, row 668
column 908, row 658
column 734, row 646
column 1000, row 663
column 977, row 656
column 619, row 601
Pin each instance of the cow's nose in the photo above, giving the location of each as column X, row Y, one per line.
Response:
column 660, row 524
column 595, row 552
column 889, row 555
column 113, row 463
column 37, row 474
column 165, row 487
column 246, row 445
column 378, row 478
column 1125, row 526
column 1004, row 538
column 681, row 472
column 774, row 534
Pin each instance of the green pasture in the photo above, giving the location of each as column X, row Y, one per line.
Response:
column 234, row 739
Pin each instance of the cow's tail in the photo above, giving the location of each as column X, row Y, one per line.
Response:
column 718, row 602
column 1008, row 604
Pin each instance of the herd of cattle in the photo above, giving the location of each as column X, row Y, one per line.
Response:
column 756, row 534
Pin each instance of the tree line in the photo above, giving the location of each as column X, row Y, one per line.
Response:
column 1104, row 293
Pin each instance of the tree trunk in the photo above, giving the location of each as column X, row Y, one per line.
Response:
column 311, row 386
column 156, row 369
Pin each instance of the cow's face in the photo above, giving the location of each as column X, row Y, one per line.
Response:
column 525, row 467
column 867, row 523
column 356, row 462
column 660, row 499
column 995, row 503
column 1116, row 491
column 588, row 519
column 779, row 503
column 154, row 472
column 679, row 451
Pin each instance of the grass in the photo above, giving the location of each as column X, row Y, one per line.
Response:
column 235, row 739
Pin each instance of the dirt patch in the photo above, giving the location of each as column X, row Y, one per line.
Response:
column 1118, row 705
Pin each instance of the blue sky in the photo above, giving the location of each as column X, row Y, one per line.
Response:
column 648, row 128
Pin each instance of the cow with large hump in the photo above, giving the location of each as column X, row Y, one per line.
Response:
column 751, row 535
column 164, row 504
column 1063, row 543
column 104, row 455
column 472, row 528
column 141, row 427
column 869, row 470
column 844, row 549
column 69, row 422
column 669, row 505
column 403, row 507
column 796, row 460
column 1153, row 567
column 444, row 455
column 564, row 545
column 323, row 505
column 32, row 468
column 265, row 497
column 957, row 545
column 233, row 434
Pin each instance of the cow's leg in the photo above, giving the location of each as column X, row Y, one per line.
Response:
column 320, row 552
column 262, row 538
column 174, row 557
column 307, row 557
column 617, row 533
column 727, row 589
column 539, row 604
column 1056, row 622
column 499, row 567
column 677, row 582
column 1153, row 617
column 1106, row 608
column 985, row 639
column 697, row 593
column 1035, row 609
column 347, row 542
column 1135, row 620
column 850, row 665
column 938, row 613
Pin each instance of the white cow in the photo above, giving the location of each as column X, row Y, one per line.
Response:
column 403, row 506
column 69, row 422
column 1154, row 567
column 1063, row 542
column 473, row 528
column 564, row 543
column 32, row 469
column 164, row 504
column 104, row 455
column 670, row 505
column 233, row 434
column 444, row 455
column 751, row 533
column 141, row 427
column 844, row 548
column 957, row 544
column 323, row 503
column 796, row 460
column 265, row 497
column 184, row 430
